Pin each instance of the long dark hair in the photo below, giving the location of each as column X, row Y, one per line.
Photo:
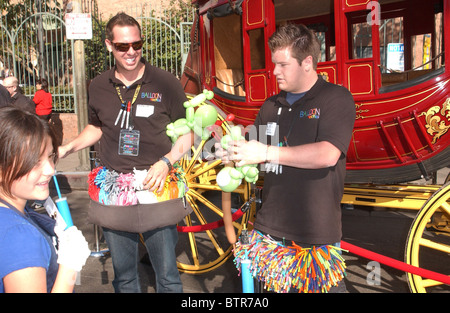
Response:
column 22, row 135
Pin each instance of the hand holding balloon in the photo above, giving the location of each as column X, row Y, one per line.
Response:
column 230, row 178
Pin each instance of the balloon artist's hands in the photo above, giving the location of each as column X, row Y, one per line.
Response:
column 73, row 249
column 243, row 152
column 221, row 153
column 156, row 176
column 249, row 152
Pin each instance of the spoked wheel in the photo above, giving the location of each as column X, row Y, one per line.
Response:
column 203, row 244
column 428, row 244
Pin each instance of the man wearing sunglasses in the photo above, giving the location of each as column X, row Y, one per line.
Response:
column 130, row 106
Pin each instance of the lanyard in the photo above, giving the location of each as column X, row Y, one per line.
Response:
column 293, row 119
column 126, row 108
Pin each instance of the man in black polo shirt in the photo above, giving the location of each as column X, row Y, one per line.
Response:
column 308, row 126
column 153, row 98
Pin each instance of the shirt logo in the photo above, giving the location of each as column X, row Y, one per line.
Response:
column 152, row 96
column 311, row 114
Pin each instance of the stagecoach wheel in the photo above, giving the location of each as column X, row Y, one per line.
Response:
column 429, row 247
column 202, row 251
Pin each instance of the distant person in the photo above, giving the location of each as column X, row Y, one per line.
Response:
column 43, row 100
column 18, row 99
column 5, row 98
column 28, row 258
column 7, row 73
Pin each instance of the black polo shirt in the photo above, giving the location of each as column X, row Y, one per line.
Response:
column 304, row 204
column 158, row 103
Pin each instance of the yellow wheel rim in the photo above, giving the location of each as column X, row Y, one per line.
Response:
column 428, row 244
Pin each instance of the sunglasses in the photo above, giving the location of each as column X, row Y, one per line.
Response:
column 124, row 47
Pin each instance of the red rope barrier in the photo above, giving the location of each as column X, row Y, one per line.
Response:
column 395, row 263
column 344, row 245
column 209, row 226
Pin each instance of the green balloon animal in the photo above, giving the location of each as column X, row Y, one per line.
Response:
column 229, row 178
column 197, row 120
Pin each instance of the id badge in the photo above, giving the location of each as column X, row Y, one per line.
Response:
column 271, row 128
column 143, row 110
column 129, row 142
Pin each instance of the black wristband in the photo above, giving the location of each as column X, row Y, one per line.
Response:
column 166, row 160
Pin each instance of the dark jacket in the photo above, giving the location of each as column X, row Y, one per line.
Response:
column 5, row 98
column 24, row 103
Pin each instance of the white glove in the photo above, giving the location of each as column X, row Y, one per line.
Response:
column 73, row 249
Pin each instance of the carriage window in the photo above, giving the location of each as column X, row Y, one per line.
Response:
column 427, row 48
column 439, row 41
column 391, row 45
column 257, row 56
column 408, row 60
column 228, row 56
column 323, row 54
column 361, row 38
column 421, row 52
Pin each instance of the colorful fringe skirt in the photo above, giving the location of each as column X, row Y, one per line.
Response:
column 283, row 268
column 111, row 188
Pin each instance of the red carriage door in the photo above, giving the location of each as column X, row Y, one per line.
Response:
column 258, row 22
column 359, row 45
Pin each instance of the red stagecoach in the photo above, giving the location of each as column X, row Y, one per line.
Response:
column 390, row 54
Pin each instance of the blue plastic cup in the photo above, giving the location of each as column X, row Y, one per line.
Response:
column 63, row 208
column 247, row 279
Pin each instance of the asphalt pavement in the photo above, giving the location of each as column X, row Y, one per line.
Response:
column 381, row 230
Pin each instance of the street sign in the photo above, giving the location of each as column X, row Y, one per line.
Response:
column 78, row 25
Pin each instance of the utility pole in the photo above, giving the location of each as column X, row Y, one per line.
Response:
column 40, row 38
column 79, row 80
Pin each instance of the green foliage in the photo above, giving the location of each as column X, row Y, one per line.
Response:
column 98, row 59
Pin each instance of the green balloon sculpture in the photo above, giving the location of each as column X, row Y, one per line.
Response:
column 230, row 178
column 198, row 121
